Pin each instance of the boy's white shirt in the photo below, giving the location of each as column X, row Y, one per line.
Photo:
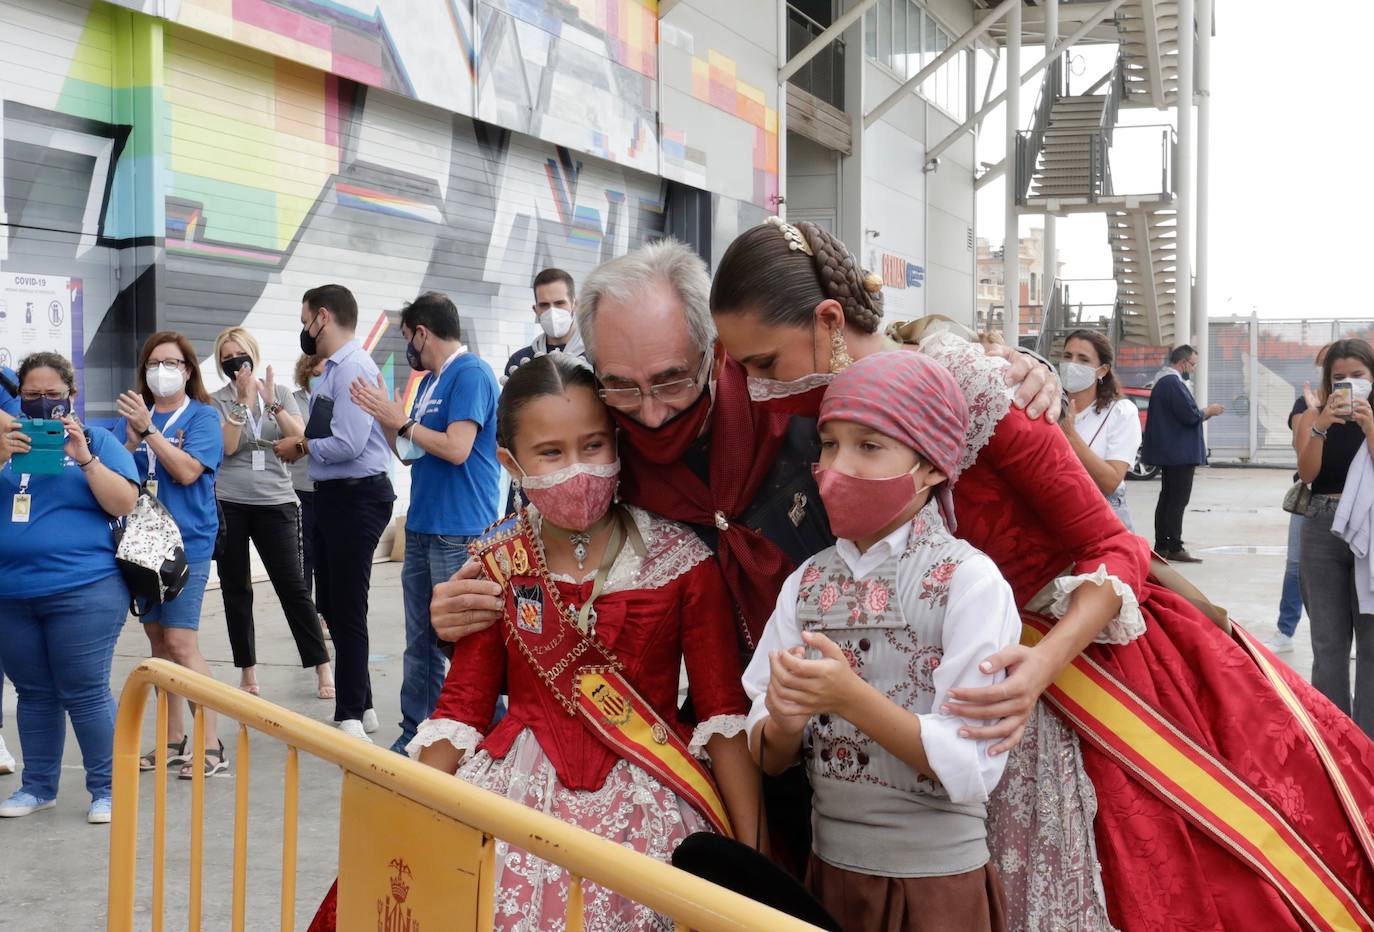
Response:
column 980, row 619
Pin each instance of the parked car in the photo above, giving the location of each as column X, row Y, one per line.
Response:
column 1140, row 397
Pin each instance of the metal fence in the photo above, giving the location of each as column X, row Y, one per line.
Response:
column 1256, row 369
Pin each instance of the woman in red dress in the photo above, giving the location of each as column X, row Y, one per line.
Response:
column 590, row 585
column 1167, row 773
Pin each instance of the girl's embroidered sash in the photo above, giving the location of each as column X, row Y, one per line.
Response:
column 1200, row 787
column 580, row 672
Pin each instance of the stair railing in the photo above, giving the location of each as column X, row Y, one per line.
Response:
column 1050, row 324
column 1030, row 144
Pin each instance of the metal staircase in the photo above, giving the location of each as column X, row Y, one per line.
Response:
column 1148, row 31
column 1063, row 166
column 1145, row 265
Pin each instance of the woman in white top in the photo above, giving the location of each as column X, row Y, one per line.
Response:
column 1102, row 427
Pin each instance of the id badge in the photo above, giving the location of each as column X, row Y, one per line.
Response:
column 19, row 512
column 151, row 486
column 259, row 460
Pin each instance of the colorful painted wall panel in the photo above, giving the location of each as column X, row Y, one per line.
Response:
column 582, row 75
column 719, row 103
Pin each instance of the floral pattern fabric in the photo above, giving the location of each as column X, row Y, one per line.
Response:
column 631, row 808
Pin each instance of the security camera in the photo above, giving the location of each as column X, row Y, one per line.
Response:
column 932, row 165
column 873, row 234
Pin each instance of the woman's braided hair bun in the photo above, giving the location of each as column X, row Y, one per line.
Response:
column 858, row 290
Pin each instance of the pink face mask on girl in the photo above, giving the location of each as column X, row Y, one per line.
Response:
column 574, row 497
column 859, row 508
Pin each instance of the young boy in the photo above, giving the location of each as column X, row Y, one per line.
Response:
column 867, row 639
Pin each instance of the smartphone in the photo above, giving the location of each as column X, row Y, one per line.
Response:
column 49, row 437
column 1344, row 394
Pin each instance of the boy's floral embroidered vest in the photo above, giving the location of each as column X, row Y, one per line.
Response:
column 872, row 812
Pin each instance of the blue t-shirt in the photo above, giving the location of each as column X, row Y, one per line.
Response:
column 67, row 542
column 9, row 403
column 444, row 498
column 197, row 431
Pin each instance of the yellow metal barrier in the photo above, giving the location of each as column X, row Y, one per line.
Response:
column 416, row 847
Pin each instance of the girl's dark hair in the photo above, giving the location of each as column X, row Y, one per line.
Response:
column 550, row 374
column 762, row 270
column 1345, row 349
column 55, row 361
column 1108, row 390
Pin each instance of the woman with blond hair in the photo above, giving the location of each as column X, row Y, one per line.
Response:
column 259, row 502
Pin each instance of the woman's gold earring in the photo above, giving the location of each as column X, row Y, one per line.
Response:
column 840, row 359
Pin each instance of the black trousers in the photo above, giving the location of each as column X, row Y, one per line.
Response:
column 307, row 500
column 275, row 531
column 1176, row 488
column 350, row 516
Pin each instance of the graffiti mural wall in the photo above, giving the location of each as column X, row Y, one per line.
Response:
column 195, row 182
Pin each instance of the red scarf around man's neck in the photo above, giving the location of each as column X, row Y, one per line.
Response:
column 744, row 442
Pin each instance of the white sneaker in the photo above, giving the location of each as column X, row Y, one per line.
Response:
column 1280, row 643
column 21, row 804
column 370, row 723
column 6, row 758
column 354, row 729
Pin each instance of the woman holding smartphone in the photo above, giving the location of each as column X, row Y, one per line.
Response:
column 1336, row 431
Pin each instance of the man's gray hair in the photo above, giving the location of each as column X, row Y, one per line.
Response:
column 627, row 277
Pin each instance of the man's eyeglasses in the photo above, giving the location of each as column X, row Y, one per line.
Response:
column 172, row 365
column 674, row 392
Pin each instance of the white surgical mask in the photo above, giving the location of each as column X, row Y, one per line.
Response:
column 556, row 322
column 1076, row 376
column 408, row 449
column 164, row 383
column 1359, row 389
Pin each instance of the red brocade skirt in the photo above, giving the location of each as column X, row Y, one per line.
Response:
column 1161, row 872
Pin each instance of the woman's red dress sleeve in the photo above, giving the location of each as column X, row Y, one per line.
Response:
column 1068, row 514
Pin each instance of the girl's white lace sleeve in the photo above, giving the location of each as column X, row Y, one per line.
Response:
column 1128, row 624
column 725, row 725
column 433, row 730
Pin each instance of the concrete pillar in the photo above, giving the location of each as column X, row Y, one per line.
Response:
column 851, row 167
column 1049, row 272
column 1183, row 171
column 1011, row 252
column 1204, row 158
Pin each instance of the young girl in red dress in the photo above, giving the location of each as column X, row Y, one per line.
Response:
column 600, row 585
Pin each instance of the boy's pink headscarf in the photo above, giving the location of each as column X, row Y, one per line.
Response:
column 909, row 397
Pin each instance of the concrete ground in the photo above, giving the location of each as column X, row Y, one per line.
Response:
column 53, row 865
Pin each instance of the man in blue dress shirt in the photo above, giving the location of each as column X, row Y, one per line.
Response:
column 349, row 457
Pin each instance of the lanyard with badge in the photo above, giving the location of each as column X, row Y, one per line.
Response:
column 259, row 454
column 407, row 448
column 151, row 483
column 23, row 502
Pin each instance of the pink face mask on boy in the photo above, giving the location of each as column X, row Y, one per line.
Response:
column 859, row 508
